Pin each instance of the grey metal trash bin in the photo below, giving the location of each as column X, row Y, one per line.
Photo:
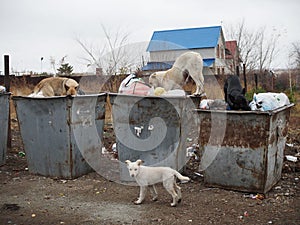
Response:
column 154, row 129
column 4, row 115
column 243, row 150
column 61, row 135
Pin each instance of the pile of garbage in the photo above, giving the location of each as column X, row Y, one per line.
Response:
column 133, row 85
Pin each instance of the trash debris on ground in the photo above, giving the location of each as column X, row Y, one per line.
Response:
column 11, row 207
column 291, row 158
column 255, row 196
column 21, row 154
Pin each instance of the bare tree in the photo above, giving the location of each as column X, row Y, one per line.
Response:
column 295, row 54
column 113, row 57
column 257, row 50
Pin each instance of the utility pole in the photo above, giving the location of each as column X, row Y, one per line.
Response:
column 7, row 87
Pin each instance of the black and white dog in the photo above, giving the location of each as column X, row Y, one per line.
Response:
column 235, row 94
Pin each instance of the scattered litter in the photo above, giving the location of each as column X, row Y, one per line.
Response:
column 21, row 154
column 291, row 158
column 189, row 139
column 191, row 152
column 198, row 174
column 104, row 151
column 289, row 145
column 114, row 147
column 33, row 215
column 257, row 196
column 11, row 207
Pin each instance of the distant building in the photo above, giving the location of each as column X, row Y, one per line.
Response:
column 166, row 45
column 232, row 57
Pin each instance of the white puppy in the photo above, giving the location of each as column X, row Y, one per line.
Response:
column 187, row 64
column 146, row 175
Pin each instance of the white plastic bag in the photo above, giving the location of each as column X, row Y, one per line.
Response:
column 268, row 101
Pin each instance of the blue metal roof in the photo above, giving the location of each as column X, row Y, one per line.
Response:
column 166, row 66
column 191, row 38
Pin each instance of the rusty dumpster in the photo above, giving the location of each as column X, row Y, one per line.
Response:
column 154, row 129
column 243, row 150
column 62, row 136
column 4, row 115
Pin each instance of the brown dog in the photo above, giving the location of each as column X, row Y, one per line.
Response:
column 55, row 86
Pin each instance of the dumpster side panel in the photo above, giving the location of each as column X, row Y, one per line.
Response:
column 45, row 134
column 4, row 115
column 240, row 158
column 159, row 142
column 277, row 140
column 243, row 150
column 58, row 132
column 87, row 125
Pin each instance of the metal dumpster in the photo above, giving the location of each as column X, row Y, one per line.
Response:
column 62, row 136
column 154, row 129
column 243, row 150
column 4, row 115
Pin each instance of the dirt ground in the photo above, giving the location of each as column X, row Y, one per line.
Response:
column 91, row 199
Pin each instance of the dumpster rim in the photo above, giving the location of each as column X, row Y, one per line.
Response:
column 271, row 112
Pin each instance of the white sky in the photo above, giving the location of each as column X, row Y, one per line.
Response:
column 31, row 29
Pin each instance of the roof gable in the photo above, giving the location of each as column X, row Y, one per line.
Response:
column 191, row 38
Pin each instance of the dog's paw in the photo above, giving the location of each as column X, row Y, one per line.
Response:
column 138, row 202
column 173, row 204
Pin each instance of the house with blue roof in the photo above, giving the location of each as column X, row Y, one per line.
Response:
column 166, row 45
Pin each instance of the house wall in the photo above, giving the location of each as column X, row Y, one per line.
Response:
column 217, row 53
column 171, row 56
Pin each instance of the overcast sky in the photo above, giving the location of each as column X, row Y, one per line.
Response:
column 31, row 29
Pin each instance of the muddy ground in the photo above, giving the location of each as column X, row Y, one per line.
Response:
column 92, row 199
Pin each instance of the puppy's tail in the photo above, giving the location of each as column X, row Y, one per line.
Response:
column 180, row 177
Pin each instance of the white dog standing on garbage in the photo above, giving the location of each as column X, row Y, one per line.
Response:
column 189, row 64
column 148, row 176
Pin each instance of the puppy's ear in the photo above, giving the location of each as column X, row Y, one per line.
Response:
column 139, row 162
column 127, row 162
